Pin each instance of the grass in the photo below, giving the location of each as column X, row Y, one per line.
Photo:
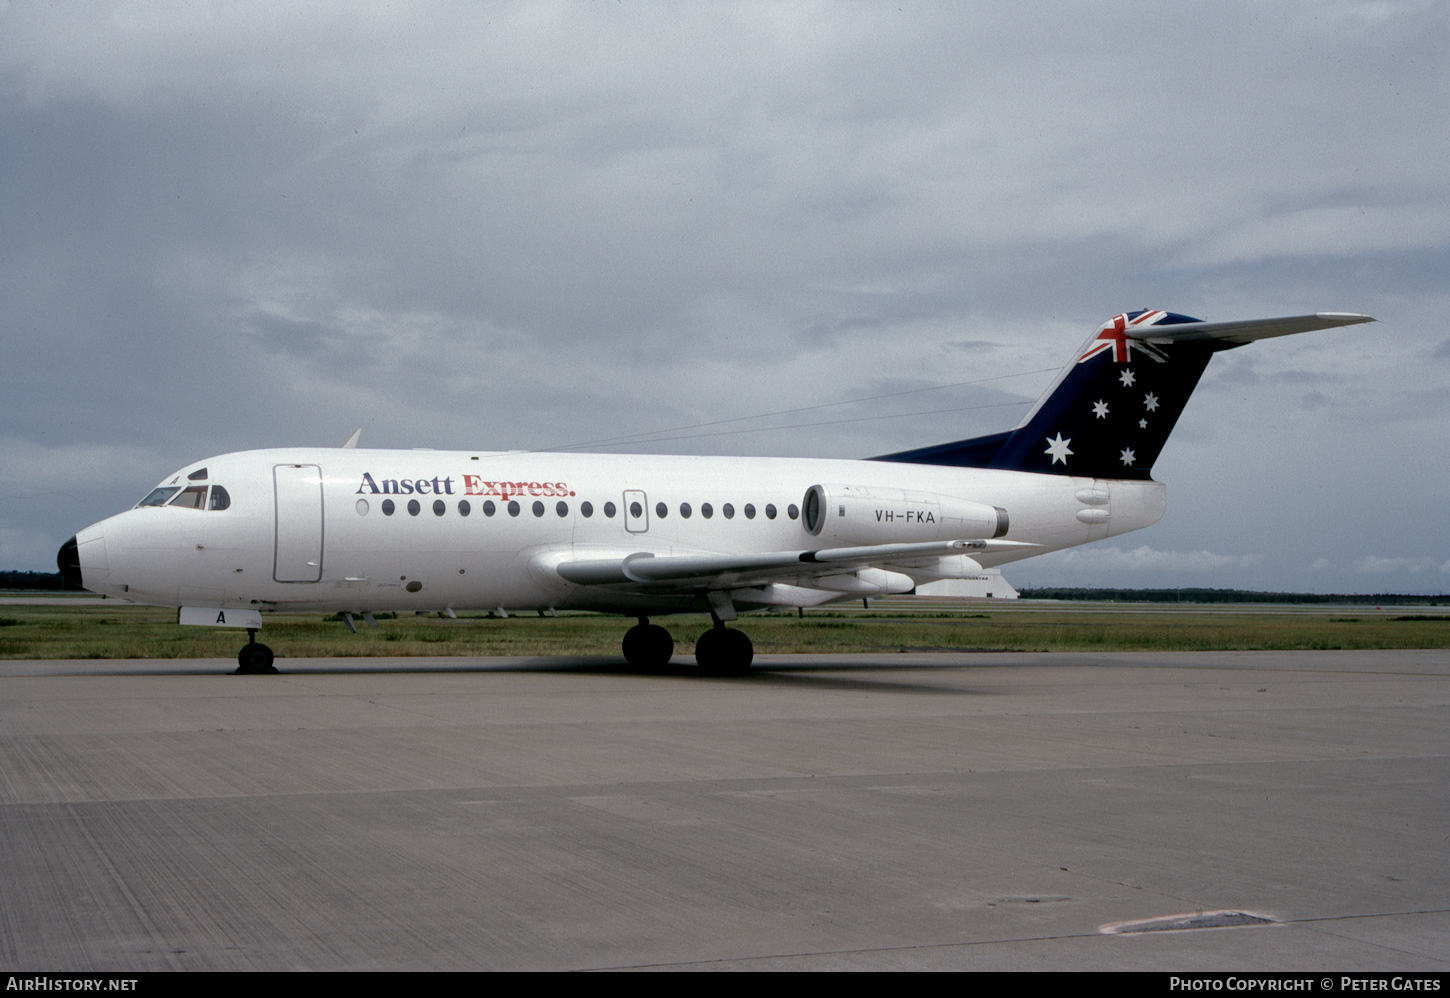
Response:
column 124, row 631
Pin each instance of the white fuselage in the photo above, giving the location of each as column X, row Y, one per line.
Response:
column 305, row 529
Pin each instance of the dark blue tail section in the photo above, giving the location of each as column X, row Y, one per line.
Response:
column 1108, row 415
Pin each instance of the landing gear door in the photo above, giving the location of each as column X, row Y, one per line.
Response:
column 636, row 511
column 298, row 490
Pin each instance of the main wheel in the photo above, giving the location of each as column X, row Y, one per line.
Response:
column 724, row 652
column 648, row 646
column 255, row 659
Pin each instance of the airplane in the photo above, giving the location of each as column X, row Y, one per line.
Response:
column 352, row 531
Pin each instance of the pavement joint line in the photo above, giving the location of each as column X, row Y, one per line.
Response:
column 848, row 952
column 1307, row 922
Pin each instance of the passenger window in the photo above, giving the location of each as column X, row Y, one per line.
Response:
column 586, row 509
column 685, row 510
column 636, row 510
column 609, row 510
column 538, row 508
column 728, row 510
column 661, row 510
column 413, row 507
column 706, row 510
column 219, row 498
column 439, row 507
column 388, row 507
column 464, row 508
column 770, row 511
column 750, row 511
column 562, row 508
column 488, row 507
column 513, row 508
column 792, row 512
column 192, row 498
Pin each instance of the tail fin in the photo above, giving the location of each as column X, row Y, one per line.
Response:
column 1110, row 411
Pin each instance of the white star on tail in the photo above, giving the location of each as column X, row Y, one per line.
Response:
column 1058, row 449
column 1151, row 402
column 1100, row 409
column 1142, row 424
column 1126, row 378
column 1127, row 456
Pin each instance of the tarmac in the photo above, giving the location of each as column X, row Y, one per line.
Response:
column 897, row 811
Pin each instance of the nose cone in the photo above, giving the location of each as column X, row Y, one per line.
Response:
column 68, row 560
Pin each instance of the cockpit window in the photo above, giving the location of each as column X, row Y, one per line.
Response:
column 159, row 496
column 199, row 475
column 192, row 498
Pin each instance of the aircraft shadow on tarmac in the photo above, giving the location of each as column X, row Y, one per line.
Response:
column 815, row 675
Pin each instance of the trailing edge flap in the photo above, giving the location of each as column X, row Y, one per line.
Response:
column 1246, row 330
column 643, row 567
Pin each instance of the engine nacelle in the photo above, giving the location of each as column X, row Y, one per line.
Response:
column 850, row 516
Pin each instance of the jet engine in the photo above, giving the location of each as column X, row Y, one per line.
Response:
column 853, row 515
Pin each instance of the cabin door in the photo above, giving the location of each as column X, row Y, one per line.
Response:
column 298, row 491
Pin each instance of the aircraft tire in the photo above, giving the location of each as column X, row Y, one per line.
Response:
column 255, row 659
column 722, row 651
column 648, row 646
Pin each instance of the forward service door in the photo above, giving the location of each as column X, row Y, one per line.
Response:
column 298, row 491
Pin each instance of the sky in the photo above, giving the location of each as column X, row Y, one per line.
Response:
column 528, row 226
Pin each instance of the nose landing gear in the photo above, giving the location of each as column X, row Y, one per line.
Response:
column 254, row 658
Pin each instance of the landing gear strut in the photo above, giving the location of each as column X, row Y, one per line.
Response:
column 648, row 646
column 724, row 652
column 254, row 658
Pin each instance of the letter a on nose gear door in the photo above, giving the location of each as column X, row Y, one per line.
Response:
column 636, row 511
column 299, row 522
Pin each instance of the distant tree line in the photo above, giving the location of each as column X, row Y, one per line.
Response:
column 1227, row 596
column 32, row 580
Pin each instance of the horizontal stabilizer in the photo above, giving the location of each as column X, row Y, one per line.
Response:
column 1111, row 409
column 1244, row 330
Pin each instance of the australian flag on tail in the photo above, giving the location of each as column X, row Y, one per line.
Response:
column 1109, row 413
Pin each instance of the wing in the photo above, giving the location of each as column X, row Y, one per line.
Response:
column 643, row 571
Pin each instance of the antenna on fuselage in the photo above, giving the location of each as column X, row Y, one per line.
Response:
column 352, row 440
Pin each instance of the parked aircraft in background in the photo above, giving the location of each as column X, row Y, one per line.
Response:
column 357, row 531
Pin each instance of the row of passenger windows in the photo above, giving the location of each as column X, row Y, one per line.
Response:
column 586, row 509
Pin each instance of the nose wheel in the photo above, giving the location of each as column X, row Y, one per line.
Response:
column 254, row 659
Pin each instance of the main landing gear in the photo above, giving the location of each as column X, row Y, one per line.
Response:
column 724, row 652
column 719, row 652
column 254, row 658
column 648, row 646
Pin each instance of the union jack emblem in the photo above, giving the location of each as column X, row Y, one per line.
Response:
column 1114, row 336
